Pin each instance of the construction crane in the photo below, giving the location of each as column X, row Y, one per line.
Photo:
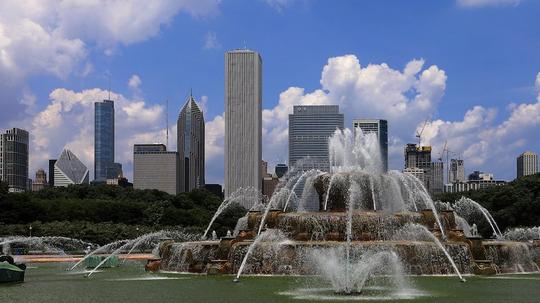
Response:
column 445, row 149
column 419, row 134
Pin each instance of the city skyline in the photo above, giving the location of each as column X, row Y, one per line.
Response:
column 484, row 110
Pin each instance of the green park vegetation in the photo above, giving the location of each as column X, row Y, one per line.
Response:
column 101, row 214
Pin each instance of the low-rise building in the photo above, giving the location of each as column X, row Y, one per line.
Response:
column 155, row 168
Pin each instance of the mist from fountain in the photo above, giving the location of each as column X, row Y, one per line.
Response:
column 359, row 155
column 49, row 244
column 270, row 235
column 242, row 194
column 417, row 232
column 466, row 208
column 351, row 276
column 522, row 234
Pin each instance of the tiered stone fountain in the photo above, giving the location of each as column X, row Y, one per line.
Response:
column 366, row 219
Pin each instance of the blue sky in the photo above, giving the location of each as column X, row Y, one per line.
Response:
column 474, row 64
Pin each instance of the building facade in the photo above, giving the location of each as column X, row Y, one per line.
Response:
column 527, row 164
column 310, row 127
column 14, row 159
column 155, row 168
column 51, row 172
column 103, row 140
column 456, row 172
column 190, row 143
column 380, row 128
column 40, row 182
column 68, row 170
column 281, row 169
column 458, row 187
column 243, row 120
column 436, row 178
column 419, row 157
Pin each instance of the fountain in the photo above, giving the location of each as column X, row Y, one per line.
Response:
column 369, row 226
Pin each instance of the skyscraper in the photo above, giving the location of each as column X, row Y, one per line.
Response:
column 527, row 164
column 243, row 129
column 380, row 128
column 103, row 139
column 190, row 144
column 68, row 170
column 456, row 172
column 51, row 172
column 310, row 127
column 14, row 159
column 155, row 168
column 419, row 157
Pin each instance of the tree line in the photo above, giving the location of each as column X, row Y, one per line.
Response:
column 93, row 212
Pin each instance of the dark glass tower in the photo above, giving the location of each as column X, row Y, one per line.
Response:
column 190, row 146
column 103, row 139
column 14, row 159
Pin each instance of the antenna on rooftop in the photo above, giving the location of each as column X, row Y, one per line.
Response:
column 109, row 78
column 167, row 121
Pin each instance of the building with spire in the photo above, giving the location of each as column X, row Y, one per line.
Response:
column 190, row 145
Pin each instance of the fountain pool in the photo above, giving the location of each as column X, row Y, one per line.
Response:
column 47, row 283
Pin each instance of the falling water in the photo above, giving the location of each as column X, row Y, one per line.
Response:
column 465, row 207
column 50, row 244
column 271, row 235
column 328, row 191
column 298, row 182
column 144, row 239
column 99, row 250
column 417, row 232
column 239, row 195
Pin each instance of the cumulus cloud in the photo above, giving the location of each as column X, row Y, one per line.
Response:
column 211, row 41
column 134, row 82
column 54, row 37
column 68, row 121
column 403, row 97
column 483, row 3
column 485, row 144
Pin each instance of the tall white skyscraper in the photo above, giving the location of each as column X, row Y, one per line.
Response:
column 243, row 105
column 527, row 164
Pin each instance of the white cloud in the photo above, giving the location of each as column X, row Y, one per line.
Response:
column 54, row 37
column 405, row 98
column 279, row 5
column 483, row 3
column 134, row 82
column 485, row 144
column 374, row 91
column 211, row 41
column 68, row 121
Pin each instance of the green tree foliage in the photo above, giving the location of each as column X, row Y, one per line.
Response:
column 95, row 213
column 514, row 204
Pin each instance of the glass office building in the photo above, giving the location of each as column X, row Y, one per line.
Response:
column 103, row 140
